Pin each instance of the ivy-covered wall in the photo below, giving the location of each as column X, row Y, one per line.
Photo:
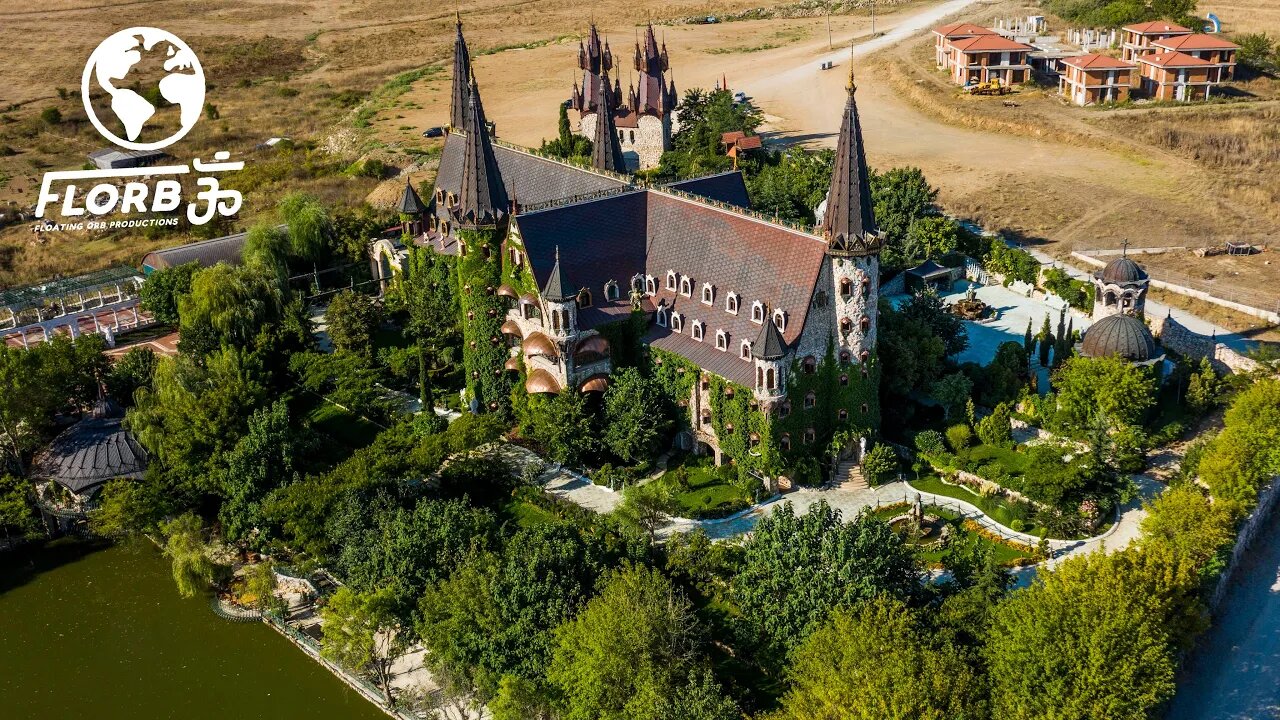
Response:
column 624, row 336
column 483, row 310
column 829, row 397
column 737, row 411
column 676, row 376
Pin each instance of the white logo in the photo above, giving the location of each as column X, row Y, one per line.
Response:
column 117, row 58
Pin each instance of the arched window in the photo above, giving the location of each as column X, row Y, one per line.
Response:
column 584, row 298
column 686, row 287
column 866, row 286
column 846, row 325
column 865, row 409
column 820, row 298
column 516, row 257
column 731, row 303
column 846, row 287
column 865, row 323
column 696, row 331
column 671, row 280
column 810, row 365
column 745, row 352
column 757, row 312
column 785, row 442
column 810, row 436
column 780, row 319
column 557, row 320
column 486, row 251
column 845, row 356
column 462, row 247
column 706, row 416
column 843, row 414
column 440, row 195
column 722, row 340
column 844, row 381
column 677, row 322
column 651, row 285
column 708, row 294
column 611, row 290
column 662, row 317
column 770, row 379
column 810, row 400
column 728, row 428
column 864, row 356
column 633, row 136
column 753, row 440
column 784, row 409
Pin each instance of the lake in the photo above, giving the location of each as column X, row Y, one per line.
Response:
column 100, row 631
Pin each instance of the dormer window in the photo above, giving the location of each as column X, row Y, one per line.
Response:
column 780, row 319
column 686, row 287
column 722, row 340
column 440, row 195
column 677, row 322
column 708, row 294
column 462, row 248
column 516, row 257
column 731, row 303
column 611, row 290
column 671, row 280
column 757, row 312
column 584, row 298
column 865, row 323
column 662, row 317
column 745, row 351
column 697, row 330
column 650, row 284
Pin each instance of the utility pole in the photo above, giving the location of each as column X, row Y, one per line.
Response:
column 828, row 26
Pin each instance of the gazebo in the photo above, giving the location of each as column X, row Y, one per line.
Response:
column 928, row 274
column 83, row 458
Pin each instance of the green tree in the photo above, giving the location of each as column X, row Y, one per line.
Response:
column 427, row 291
column 261, row 461
column 635, row 416
column 519, row 699
column 17, row 513
column 1258, row 52
column 266, row 248
column 930, row 237
column 630, row 652
column 1093, row 638
column 951, row 392
column 1186, row 521
column 352, row 319
column 231, row 302
column 901, row 196
column 996, row 428
column 1237, row 462
column 1045, row 338
column 185, row 547
column 51, row 116
column 1028, row 340
column 566, row 145
column 845, row 564
column 310, row 229
column 565, row 425
column 261, row 584
column 163, row 288
column 927, row 306
column 129, row 507
column 360, row 631
column 877, row 663
column 1203, row 388
column 1110, row 388
column 134, row 370
column 647, row 507
column 791, row 184
column 959, row 437
column 880, row 464
column 37, row 384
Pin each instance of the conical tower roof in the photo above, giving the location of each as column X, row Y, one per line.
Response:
column 606, row 153
column 461, row 79
column 557, row 288
column 848, row 223
column 483, row 198
column 769, row 344
column 410, row 203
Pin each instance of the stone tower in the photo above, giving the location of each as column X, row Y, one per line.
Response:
column 1120, row 288
column 769, row 352
column 853, row 242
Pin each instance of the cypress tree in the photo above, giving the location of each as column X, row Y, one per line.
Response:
column 1046, row 341
column 1029, row 340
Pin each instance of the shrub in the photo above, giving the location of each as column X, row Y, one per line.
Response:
column 51, row 116
column 930, row 442
column 1017, row 525
column 959, row 437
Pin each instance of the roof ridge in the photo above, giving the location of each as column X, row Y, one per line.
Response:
column 560, row 161
column 752, row 215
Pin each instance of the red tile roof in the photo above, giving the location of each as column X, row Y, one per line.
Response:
column 1095, row 61
column 1198, row 41
column 962, row 29
column 731, row 137
column 1156, row 26
column 988, row 43
column 1173, row 60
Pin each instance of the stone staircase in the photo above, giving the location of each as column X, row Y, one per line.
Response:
column 849, row 476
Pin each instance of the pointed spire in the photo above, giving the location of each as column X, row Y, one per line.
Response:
column 461, row 77
column 848, row 223
column 556, row 289
column 606, row 153
column 410, row 203
column 483, row 198
column 769, row 344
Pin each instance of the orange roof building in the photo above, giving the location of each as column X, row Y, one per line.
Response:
column 1176, row 76
column 943, row 37
column 1094, row 78
column 1221, row 53
column 1137, row 39
column 987, row 57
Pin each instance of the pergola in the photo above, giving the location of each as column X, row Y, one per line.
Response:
column 63, row 302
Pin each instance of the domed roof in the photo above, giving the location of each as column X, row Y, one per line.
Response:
column 1121, row 335
column 91, row 452
column 1123, row 270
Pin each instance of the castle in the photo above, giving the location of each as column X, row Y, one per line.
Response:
column 764, row 333
column 642, row 121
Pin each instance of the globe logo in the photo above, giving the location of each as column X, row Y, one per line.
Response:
column 115, row 68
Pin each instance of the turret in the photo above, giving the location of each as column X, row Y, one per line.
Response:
column 561, row 304
column 411, row 209
column 606, row 152
column 482, row 200
column 461, row 79
column 769, row 352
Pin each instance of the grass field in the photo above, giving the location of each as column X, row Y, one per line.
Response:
column 701, row 489
column 996, row 509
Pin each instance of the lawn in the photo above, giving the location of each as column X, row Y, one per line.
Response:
column 997, row 509
column 527, row 515
column 932, row 554
column 342, row 426
column 701, row 489
column 1014, row 462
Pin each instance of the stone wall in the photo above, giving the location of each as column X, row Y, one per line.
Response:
column 643, row 145
column 1176, row 337
column 1256, row 521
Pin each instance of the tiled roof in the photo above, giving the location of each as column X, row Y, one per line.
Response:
column 225, row 249
column 1173, row 59
column 1119, row 335
column 1095, row 61
column 1199, row 41
column 988, row 43
column 483, row 198
column 1156, row 26
column 606, row 152
column 768, row 345
column 90, row 453
column 410, row 203
column 963, row 29
column 728, row 187
column 461, row 79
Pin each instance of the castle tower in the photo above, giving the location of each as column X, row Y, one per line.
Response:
column 560, row 301
column 411, row 210
column 653, row 95
column 769, row 352
column 606, row 153
column 594, row 59
column 853, row 242
column 461, row 79
column 482, row 201
column 1120, row 288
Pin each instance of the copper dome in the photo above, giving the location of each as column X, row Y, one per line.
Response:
column 541, row 381
column 539, row 344
column 1123, row 270
column 596, row 383
column 510, row 327
column 1120, row 335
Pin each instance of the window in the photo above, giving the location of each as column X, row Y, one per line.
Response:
column 864, row 356
column 846, row 325
column 462, row 248
column 846, row 287
column 820, row 298
column 486, row 251
column 439, row 195
column 651, row 285
column 844, row 381
column 611, row 290
column 845, row 356
column 770, row 379
column 754, row 439
column 810, row 436
column 584, row 298
column 866, row 286
column 731, row 303
column 632, row 133
column 696, row 331
column 785, row 442
column 671, row 280
column 686, row 287
column 706, row 417
column 728, row 428
column 865, row 323
column 780, row 319
column 865, row 409
column 662, row 317
column 745, row 353
column 757, row 312
column 810, row 365
column 810, row 400
column 708, row 294
column 516, row 257
column 722, row 340
column 843, row 414
column 785, row 409
column 677, row 322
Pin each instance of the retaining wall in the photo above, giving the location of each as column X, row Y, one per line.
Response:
column 1257, row 520
column 1180, row 339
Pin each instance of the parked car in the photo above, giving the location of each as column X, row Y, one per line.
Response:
column 433, row 132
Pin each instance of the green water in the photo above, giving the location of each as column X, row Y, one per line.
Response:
column 102, row 633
